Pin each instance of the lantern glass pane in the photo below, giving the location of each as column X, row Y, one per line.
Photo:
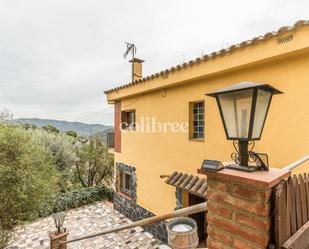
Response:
column 262, row 103
column 236, row 110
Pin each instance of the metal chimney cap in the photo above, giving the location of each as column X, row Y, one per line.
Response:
column 136, row 60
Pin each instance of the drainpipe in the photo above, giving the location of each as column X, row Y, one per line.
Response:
column 297, row 163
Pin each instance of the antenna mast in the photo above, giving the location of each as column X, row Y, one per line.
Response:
column 130, row 48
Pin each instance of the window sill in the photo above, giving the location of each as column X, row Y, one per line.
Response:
column 197, row 139
column 124, row 195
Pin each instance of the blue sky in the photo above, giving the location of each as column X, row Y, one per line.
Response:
column 58, row 56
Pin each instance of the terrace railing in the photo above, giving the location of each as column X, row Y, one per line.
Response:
column 177, row 213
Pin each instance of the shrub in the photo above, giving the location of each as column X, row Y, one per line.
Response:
column 77, row 198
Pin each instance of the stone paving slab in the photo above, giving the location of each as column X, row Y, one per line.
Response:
column 85, row 220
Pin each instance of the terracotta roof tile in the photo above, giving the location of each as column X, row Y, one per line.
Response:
column 214, row 54
column 180, row 180
column 197, row 185
column 175, row 179
column 186, row 181
column 193, row 184
column 171, row 177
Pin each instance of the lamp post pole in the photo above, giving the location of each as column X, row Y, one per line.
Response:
column 243, row 153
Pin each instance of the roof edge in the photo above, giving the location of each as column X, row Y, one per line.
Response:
column 212, row 55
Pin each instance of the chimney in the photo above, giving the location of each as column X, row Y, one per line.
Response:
column 137, row 71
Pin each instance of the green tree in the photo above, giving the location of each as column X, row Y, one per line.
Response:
column 72, row 134
column 27, row 179
column 95, row 164
column 28, row 126
column 62, row 150
column 50, row 128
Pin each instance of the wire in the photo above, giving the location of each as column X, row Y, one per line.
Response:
column 92, row 115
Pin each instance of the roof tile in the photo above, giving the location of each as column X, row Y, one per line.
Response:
column 193, row 184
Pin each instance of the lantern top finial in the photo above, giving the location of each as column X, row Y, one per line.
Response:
column 244, row 86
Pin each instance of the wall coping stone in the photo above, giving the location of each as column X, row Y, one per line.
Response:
column 262, row 180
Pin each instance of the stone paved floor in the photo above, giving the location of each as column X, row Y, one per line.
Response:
column 82, row 221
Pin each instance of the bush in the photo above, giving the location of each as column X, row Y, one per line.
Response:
column 77, row 198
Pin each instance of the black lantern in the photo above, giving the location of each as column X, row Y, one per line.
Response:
column 59, row 220
column 243, row 109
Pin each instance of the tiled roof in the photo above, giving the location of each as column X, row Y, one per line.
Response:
column 190, row 183
column 214, row 54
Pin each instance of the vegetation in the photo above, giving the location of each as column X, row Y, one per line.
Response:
column 79, row 197
column 50, row 128
column 95, row 164
column 63, row 153
column 27, row 178
column 43, row 170
column 72, row 134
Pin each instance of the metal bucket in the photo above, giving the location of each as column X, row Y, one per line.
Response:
column 182, row 233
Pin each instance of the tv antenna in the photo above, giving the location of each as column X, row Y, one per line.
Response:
column 130, row 48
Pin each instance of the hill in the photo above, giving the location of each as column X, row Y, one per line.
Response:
column 80, row 128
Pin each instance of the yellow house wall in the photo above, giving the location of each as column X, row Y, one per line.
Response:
column 285, row 137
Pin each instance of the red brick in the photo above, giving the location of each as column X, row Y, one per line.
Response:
column 219, row 209
column 239, row 244
column 254, row 222
column 214, row 244
column 244, row 192
column 217, row 185
column 117, row 122
column 219, row 235
column 238, row 230
column 223, row 198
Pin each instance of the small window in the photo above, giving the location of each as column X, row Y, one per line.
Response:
column 128, row 119
column 197, row 122
column 125, row 180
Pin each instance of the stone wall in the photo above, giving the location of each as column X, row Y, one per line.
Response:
column 129, row 207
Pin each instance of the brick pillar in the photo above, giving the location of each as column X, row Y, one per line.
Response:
column 55, row 239
column 240, row 208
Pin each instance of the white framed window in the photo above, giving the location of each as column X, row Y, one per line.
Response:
column 197, row 120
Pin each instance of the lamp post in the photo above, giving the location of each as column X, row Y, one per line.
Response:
column 58, row 237
column 243, row 109
column 59, row 220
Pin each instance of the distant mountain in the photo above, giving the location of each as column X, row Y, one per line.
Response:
column 80, row 128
